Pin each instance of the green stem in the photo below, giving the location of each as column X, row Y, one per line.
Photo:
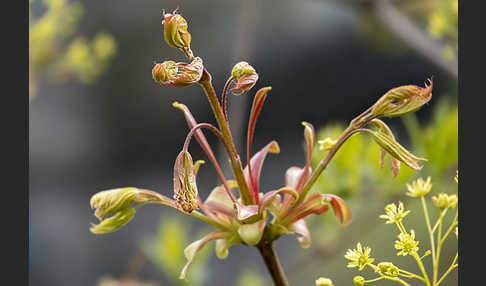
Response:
column 446, row 234
column 421, row 266
column 453, row 265
column 429, row 228
column 323, row 164
column 439, row 244
column 224, row 127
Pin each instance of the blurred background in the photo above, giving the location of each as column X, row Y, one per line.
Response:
column 97, row 121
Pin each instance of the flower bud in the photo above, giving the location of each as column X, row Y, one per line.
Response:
column 113, row 223
column 388, row 268
column 402, row 100
column 112, row 201
column 358, row 280
column 185, row 189
column 178, row 74
column 445, row 201
column 245, row 76
column 175, row 31
column 322, row 281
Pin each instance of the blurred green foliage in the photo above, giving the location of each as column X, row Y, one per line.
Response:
column 440, row 19
column 166, row 250
column 52, row 50
column 251, row 277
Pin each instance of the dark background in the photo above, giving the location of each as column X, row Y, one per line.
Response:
column 319, row 57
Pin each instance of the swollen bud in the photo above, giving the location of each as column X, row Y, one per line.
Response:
column 185, row 189
column 358, row 280
column 241, row 69
column 322, row 281
column 175, row 31
column 112, row 201
column 245, row 76
column 402, row 100
column 164, row 72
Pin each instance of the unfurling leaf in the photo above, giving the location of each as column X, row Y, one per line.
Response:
column 185, row 189
column 245, row 76
column 385, row 139
column 382, row 127
column 112, row 201
column 113, row 223
column 178, row 74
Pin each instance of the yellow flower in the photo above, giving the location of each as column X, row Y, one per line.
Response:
column 394, row 214
column 326, row 144
column 359, row 257
column 406, row 243
column 445, row 201
column 419, row 188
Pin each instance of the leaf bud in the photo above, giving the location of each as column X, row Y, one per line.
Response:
column 402, row 100
column 245, row 76
column 175, row 31
column 112, row 201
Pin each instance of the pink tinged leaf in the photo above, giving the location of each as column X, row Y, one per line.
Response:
column 244, row 84
column 270, row 196
column 192, row 249
column 191, row 122
column 256, row 164
column 219, row 202
column 293, row 176
column 395, row 167
column 310, row 140
column 246, row 212
column 252, row 233
column 315, row 204
column 256, row 107
column 340, row 208
column 303, row 234
column 382, row 157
